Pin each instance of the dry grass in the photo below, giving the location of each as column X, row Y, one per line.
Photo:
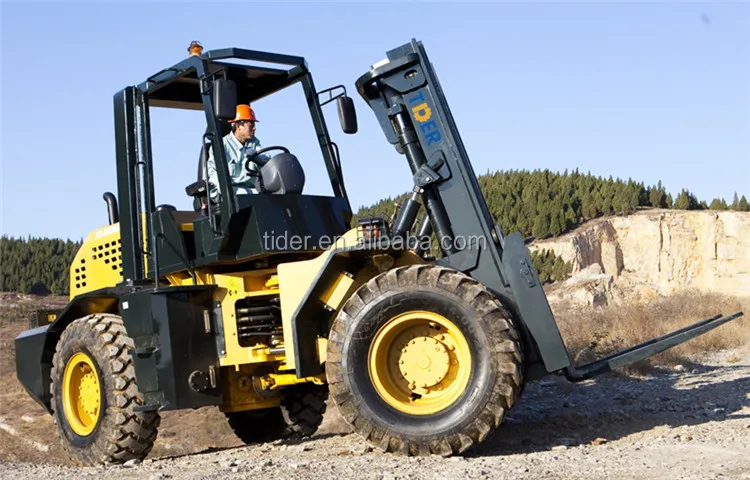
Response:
column 594, row 333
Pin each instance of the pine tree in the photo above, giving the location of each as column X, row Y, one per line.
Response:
column 588, row 208
column 541, row 225
column 560, row 270
column 571, row 218
column 743, row 206
column 686, row 201
column 556, row 223
column 658, row 196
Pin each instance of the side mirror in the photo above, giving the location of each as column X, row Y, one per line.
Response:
column 225, row 99
column 347, row 114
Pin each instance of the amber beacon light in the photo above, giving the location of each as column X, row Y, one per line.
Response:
column 195, row 48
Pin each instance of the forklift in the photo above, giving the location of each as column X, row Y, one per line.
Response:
column 178, row 309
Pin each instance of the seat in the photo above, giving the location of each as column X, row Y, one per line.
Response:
column 199, row 189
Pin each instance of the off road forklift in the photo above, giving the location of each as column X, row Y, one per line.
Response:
column 176, row 309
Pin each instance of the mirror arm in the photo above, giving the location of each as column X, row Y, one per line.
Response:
column 331, row 97
column 206, row 81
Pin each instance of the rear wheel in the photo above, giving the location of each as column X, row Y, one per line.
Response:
column 299, row 415
column 424, row 360
column 94, row 391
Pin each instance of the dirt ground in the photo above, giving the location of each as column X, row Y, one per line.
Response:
column 689, row 420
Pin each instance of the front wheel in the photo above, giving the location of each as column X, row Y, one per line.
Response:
column 94, row 393
column 424, row 360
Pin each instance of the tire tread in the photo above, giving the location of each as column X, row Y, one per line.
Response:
column 123, row 434
column 505, row 345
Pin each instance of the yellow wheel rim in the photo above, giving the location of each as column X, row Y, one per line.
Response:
column 81, row 394
column 419, row 362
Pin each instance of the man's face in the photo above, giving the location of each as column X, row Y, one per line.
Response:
column 245, row 131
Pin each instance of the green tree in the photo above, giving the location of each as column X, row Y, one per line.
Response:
column 686, row 201
column 658, row 196
column 557, row 223
column 36, row 265
column 735, row 202
column 549, row 266
column 541, row 226
column 588, row 207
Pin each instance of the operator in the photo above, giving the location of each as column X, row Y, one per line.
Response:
column 238, row 145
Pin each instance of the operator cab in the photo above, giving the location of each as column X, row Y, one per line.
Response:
column 283, row 173
column 233, row 229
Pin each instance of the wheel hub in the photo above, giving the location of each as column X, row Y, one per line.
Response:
column 419, row 362
column 89, row 392
column 424, row 362
column 82, row 400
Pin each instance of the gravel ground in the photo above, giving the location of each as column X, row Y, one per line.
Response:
column 689, row 422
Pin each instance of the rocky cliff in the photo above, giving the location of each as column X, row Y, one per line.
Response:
column 659, row 252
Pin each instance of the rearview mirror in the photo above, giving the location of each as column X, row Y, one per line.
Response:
column 347, row 114
column 225, row 99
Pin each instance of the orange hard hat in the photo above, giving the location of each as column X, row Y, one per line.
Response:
column 244, row 113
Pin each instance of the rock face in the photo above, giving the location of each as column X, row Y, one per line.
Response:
column 661, row 252
column 589, row 287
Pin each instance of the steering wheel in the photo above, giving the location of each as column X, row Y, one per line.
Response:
column 251, row 158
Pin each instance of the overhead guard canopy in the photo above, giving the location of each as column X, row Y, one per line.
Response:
column 179, row 86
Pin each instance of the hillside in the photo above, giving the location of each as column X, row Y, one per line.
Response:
column 543, row 204
column 657, row 253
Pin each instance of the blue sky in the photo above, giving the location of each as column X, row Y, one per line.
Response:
column 651, row 91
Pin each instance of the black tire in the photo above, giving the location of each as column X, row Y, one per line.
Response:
column 299, row 416
column 496, row 374
column 119, row 434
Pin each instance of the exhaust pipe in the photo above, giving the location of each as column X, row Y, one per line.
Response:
column 111, row 207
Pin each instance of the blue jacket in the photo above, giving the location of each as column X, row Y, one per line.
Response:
column 236, row 153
